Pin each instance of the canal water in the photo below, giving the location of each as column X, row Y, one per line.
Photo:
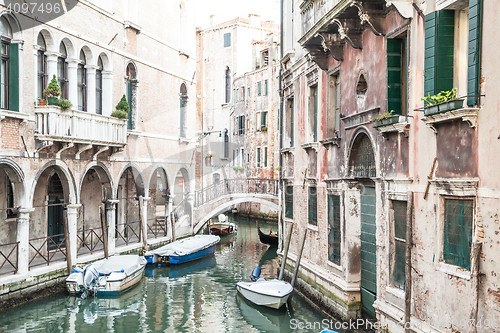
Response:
column 196, row 297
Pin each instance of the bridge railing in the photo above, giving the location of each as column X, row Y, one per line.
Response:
column 235, row 186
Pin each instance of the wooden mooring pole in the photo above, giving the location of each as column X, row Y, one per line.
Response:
column 297, row 264
column 285, row 252
column 67, row 242
column 474, row 266
column 104, row 226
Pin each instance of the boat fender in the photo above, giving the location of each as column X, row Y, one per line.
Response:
column 255, row 274
column 76, row 270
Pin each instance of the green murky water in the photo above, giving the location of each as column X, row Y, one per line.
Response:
column 196, row 297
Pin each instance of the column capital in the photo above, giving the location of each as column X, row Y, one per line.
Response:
column 73, row 206
column 26, row 210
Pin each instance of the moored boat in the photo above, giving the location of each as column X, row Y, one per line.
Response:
column 184, row 250
column 271, row 293
column 271, row 238
column 223, row 227
column 110, row 276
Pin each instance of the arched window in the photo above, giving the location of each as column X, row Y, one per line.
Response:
column 9, row 68
column 98, row 86
column 183, row 110
column 42, row 64
column 62, row 70
column 226, row 144
column 362, row 160
column 82, row 82
column 131, row 86
column 228, row 84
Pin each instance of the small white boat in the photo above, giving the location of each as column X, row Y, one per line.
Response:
column 271, row 293
column 223, row 227
column 109, row 276
column 184, row 250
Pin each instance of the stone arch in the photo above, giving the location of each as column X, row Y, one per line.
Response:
column 70, row 48
column 361, row 89
column 183, row 173
column 89, row 55
column 49, row 39
column 131, row 71
column 66, row 177
column 14, row 24
column 106, row 61
column 361, row 160
column 104, row 176
column 138, row 178
column 16, row 177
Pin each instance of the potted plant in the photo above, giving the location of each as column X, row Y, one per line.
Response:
column 41, row 102
column 264, row 129
column 385, row 119
column 237, row 167
column 64, row 104
column 122, row 109
column 444, row 101
column 52, row 91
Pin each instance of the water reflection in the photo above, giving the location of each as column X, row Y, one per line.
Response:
column 195, row 297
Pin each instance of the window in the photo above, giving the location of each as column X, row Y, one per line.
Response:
column 10, row 199
column 183, row 111
column 248, row 91
column 41, row 64
column 334, row 232
column 241, row 125
column 227, row 39
column 458, row 216
column 242, row 157
column 9, row 68
column 258, row 157
column 312, row 203
column 259, row 88
column 313, row 114
column 62, row 71
column 265, row 88
column 98, row 86
column 289, row 201
column 333, row 105
column 228, row 85
column 263, row 120
column 454, row 61
column 396, row 75
column 289, row 120
column 226, row 144
column 82, row 82
column 265, row 157
column 398, row 245
column 131, row 86
column 265, row 57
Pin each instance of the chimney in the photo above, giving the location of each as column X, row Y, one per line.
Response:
column 212, row 18
column 254, row 20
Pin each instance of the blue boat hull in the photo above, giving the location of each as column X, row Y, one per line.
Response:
column 176, row 260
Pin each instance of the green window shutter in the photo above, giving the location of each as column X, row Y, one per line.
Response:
column 439, row 49
column 474, row 60
column 291, row 123
column 458, row 232
column 265, row 156
column 259, row 88
column 315, row 125
column 258, row 157
column 313, row 207
column 129, row 100
column 14, row 77
column 394, row 75
column 334, row 233
column 289, row 201
column 265, row 86
column 227, row 39
column 263, row 119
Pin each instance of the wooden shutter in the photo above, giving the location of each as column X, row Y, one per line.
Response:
column 439, row 49
column 458, row 232
column 474, row 70
column 289, row 201
column 394, row 75
column 14, row 77
column 313, row 206
column 334, row 233
column 129, row 99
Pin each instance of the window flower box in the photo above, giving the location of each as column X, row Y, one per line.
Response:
column 386, row 121
column 451, row 105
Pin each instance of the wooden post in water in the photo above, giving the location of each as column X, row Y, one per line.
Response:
column 474, row 266
column 409, row 243
column 172, row 225
column 285, row 252
column 297, row 264
column 104, row 226
column 67, row 242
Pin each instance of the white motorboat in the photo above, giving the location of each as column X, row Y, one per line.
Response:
column 109, row 276
column 270, row 293
column 224, row 227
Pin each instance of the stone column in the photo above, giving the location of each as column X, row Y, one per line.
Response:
column 23, row 236
column 190, row 200
column 90, row 88
column 111, row 222
column 51, row 65
column 72, row 211
column 143, row 206
column 107, row 93
column 72, row 82
column 169, row 217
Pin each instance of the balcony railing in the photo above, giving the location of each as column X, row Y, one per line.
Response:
column 52, row 124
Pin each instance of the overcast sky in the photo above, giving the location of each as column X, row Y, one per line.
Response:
column 225, row 10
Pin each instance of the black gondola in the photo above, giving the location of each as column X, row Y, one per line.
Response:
column 271, row 239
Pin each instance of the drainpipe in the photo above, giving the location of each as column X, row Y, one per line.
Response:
column 280, row 185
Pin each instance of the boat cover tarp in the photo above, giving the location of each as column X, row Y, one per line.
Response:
column 186, row 246
column 129, row 264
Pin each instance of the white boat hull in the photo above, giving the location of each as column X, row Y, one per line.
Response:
column 273, row 294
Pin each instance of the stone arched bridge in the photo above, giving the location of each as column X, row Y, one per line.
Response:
column 220, row 197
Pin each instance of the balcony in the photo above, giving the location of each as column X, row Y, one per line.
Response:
column 76, row 127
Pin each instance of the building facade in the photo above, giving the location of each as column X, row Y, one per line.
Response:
column 77, row 182
column 373, row 177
